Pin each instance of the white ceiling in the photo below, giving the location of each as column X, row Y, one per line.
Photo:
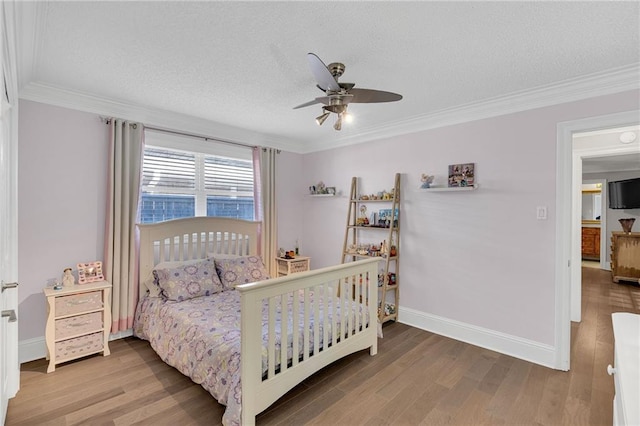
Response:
column 243, row 64
column 613, row 163
column 610, row 140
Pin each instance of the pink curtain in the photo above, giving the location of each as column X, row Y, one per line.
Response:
column 257, row 193
column 120, row 255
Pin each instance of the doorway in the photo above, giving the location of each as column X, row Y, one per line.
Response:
column 568, row 276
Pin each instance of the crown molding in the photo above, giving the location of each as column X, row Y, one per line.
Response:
column 599, row 84
column 31, row 17
column 48, row 94
column 609, row 82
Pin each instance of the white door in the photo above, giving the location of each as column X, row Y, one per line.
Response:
column 9, row 364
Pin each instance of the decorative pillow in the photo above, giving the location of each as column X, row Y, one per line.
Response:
column 240, row 270
column 188, row 280
column 151, row 283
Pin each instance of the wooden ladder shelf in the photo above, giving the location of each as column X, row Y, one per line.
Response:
column 363, row 239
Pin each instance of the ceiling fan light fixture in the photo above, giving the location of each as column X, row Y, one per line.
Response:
column 322, row 118
column 347, row 117
column 338, row 125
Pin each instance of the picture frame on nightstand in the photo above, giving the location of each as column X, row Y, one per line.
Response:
column 90, row 272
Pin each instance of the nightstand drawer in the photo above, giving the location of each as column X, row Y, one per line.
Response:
column 300, row 265
column 77, row 303
column 73, row 348
column 80, row 324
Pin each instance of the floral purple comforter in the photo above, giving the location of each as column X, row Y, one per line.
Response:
column 201, row 338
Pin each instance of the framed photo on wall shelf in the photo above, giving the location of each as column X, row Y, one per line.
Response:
column 461, row 175
column 90, row 272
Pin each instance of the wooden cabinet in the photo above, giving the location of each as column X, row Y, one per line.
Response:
column 590, row 243
column 625, row 256
column 78, row 322
column 377, row 234
column 291, row 266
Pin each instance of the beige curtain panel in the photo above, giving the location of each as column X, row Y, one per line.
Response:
column 264, row 166
column 120, row 263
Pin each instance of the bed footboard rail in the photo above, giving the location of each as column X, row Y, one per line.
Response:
column 295, row 325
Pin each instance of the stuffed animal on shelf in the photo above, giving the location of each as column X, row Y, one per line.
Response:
column 426, row 180
column 67, row 278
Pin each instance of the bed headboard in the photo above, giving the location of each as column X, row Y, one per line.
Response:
column 194, row 238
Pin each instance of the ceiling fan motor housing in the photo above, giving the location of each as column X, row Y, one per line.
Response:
column 336, row 69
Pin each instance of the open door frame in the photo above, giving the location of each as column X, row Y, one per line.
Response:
column 568, row 200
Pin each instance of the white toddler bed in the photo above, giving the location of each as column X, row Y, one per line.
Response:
column 245, row 369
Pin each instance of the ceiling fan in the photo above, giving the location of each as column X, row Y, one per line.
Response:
column 339, row 95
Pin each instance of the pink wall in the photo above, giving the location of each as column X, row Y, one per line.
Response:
column 61, row 201
column 479, row 258
column 62, row 189
column 291, row 186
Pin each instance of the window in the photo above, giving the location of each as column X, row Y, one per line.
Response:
column 183, row 183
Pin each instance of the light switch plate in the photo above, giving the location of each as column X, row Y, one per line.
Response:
column 541, row 212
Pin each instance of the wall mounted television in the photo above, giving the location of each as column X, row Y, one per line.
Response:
column 624, row 194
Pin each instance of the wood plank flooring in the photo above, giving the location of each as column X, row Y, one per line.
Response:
column 417, row 378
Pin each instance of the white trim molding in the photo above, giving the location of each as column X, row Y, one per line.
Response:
column 568, row 258
column 603, row 83
column 524, row 349
column 32, row 349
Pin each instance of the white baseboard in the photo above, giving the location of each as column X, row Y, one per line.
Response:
column 36, row 348
column 32, row 349
column 517, row 347
column 528, row 350
column 121, row 334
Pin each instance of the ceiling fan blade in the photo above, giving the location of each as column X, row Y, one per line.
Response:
column 364, row 96
column 326, row 81
column 306, row 104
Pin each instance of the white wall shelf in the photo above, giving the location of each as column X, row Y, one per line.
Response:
column 452, row 189
column 322, row 195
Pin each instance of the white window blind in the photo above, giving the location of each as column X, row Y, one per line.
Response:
column 168, row 170
column 178, row 183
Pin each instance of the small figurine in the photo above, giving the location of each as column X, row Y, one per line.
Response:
column 67, row 278
column 426, row 180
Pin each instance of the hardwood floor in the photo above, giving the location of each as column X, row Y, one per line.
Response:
column 416, row 378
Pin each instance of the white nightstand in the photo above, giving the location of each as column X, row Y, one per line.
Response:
column 291, row 266
column 78, row 323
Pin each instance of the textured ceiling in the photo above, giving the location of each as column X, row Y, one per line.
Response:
column 243, row 64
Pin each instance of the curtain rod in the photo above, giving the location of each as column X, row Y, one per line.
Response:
column 107, row 120
column 191, row 135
